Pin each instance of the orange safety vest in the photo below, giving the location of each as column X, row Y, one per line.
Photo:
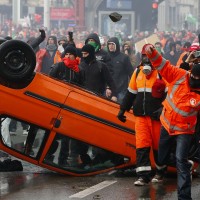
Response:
column 181, row 105
column 151, row 88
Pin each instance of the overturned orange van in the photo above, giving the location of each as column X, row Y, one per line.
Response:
column 59, row 126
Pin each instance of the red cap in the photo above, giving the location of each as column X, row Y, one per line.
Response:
column 194, row 47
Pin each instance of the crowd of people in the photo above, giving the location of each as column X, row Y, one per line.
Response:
column 163, row 78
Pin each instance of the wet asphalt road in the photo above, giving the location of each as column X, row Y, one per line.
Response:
column 35, row 183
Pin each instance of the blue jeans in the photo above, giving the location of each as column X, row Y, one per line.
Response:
column 183, row 166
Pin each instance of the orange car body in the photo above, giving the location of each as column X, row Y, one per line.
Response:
column 82, row 115
column 55, row 119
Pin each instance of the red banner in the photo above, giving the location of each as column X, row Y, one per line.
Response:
column 62, row 14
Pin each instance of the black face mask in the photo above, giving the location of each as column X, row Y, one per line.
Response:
column 194, row 83
column 88, row 59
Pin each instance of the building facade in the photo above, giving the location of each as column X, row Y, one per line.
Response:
column 93, row 14
column 178, row 15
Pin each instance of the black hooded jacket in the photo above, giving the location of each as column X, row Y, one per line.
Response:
column 96, row 77
column 120, row 67
column 101, row 55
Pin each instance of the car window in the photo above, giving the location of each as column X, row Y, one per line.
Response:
column 21, row 136
column 79, row 157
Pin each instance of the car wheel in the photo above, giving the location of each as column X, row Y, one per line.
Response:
column 17, row 61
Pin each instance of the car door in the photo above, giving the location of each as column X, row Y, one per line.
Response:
column 94, row 138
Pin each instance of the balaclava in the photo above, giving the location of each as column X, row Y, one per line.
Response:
column 89, row 49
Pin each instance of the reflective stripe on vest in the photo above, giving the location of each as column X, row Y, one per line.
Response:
column 170, row 102
column 173, row 127
column 162, row 64
column 144, row 89
column 132, row 91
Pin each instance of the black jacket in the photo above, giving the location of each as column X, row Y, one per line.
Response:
column 120, row 67
column 96, row 77
column 61, row 72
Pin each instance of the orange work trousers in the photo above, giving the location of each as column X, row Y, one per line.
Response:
column 147, row 132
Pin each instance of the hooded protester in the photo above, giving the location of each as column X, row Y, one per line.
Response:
column 95, row 74
column 127, row 48
column 119, row 66
column 101, row 54
column 172, row 54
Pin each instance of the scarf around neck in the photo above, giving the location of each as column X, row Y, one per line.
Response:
column 72, row 64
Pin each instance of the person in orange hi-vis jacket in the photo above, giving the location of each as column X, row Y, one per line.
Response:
column 145, row 93
column 179, row 116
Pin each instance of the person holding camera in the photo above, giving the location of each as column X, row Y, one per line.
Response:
column 191, row 58
column 145, row 93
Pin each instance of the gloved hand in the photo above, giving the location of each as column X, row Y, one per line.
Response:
column 42, row 31
column 121, row 116
column 156, row 114
column 149, row 48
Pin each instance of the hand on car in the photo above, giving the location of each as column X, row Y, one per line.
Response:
column 121, row 116
column 108, row 92
column 113, row 98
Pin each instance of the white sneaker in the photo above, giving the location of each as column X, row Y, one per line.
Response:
column 140, row 182
column 191, row 168
column 157, row 178
column 25, row 132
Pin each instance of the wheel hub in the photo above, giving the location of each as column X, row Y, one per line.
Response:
column 15, row 60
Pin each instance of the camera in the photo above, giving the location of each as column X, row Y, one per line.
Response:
column 197, row 54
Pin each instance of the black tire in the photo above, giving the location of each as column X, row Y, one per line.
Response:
column 17, row 61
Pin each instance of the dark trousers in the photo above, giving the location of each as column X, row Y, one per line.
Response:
column 183, row 166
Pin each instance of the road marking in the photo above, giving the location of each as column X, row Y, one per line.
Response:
column 112, row 172
column 92, row 189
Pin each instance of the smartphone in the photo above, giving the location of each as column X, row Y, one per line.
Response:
column 197, row 54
